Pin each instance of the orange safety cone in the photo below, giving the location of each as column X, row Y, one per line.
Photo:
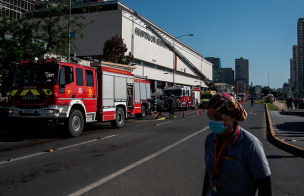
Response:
column 202, row 111
column 196, row 112
column 184, row 115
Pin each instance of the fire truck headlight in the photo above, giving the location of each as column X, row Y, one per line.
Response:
column 51, row 111
column 11, row 111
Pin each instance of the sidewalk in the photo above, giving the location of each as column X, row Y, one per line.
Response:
column 288, row 129
column 282, row 107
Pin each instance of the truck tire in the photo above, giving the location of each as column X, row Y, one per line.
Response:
column 120, row 118
column 75, row 123
column 143, row 112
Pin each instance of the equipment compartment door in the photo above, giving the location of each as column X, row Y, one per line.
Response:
column 108, row 98
column 120, row 89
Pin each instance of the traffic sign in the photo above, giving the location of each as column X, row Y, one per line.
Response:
column 66, row 35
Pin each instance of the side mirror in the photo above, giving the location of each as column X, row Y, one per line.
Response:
column 69, row 78
column 62, row 80
column 62, row 76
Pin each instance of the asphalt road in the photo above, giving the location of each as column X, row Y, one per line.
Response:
column 139, row 159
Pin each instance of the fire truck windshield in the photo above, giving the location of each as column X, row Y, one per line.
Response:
column 36, row 74
column 177, row 92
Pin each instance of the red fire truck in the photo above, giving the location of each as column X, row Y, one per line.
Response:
column 76, row 94
column 185, row 96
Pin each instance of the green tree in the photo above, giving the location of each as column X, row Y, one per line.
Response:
column 54, row 21
column 114, row 51
column 34, row 35
column 16, row 43
column 266, row 90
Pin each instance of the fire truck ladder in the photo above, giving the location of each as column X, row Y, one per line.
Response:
column 201, row 76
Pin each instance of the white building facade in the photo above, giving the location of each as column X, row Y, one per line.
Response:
column 151, row 57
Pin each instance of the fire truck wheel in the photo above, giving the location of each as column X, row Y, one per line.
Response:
column 143, row 112
column 75, row 123
column 120, row 118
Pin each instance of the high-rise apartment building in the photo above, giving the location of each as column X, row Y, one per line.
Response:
column 300, row 32
column 294, row 73
column 216, row 62
column 217, row 73
column 228, row 76
column 16, row 8
column 242, row 71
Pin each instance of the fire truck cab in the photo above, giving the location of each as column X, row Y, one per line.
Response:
column 185, row 96
column 75, row 94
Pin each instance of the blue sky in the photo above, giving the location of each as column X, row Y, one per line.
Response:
column 262, row 31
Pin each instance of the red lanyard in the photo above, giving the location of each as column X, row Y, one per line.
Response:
column 216, row 169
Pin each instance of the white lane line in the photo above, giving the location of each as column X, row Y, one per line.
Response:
column 77, row 144
column 105, row 179
column 33, row 155
column 164, row 123
column 23, row 157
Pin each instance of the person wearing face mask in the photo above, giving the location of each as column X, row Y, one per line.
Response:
column 235, row 160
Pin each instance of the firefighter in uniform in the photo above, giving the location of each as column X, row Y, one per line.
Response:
column 172, row 106
column 169, row 105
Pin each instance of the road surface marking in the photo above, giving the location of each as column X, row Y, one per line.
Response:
column 165, row 123
column 111, row 176
column 16, row 159
column 41, row 153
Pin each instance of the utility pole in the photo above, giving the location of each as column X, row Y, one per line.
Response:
column 69, row 30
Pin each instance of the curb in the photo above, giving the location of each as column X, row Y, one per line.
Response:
column 295, row 150
column 292, row 113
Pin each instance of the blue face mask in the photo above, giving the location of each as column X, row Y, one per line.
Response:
column 217, row 127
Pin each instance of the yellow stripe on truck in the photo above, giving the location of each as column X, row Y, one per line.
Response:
column 24, row 92
column 14, row 92
column 35, row 92
column 47, row 91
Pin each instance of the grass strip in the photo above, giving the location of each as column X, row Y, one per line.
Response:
column 270, row 106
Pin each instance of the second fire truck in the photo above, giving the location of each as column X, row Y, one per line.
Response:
column 185, row 96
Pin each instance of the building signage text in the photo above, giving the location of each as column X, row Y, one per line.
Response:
column 149, row 37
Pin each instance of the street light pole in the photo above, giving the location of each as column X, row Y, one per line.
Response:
column 174, row 56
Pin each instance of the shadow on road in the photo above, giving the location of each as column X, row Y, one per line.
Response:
column 291, row 126
column 32, row 133
column 280, row 157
